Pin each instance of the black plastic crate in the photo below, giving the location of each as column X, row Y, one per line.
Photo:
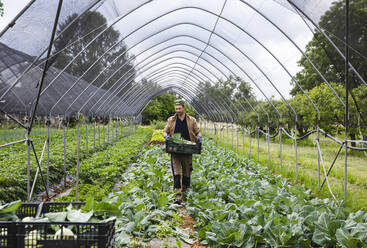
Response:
column 53, row 207
column 42, row 234
column 173, row 147
column 7, row 234
column 31, row 209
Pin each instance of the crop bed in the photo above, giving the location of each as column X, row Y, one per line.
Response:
column 13, row 159
column 234, row 201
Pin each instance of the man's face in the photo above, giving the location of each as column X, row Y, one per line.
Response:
column 179, row 109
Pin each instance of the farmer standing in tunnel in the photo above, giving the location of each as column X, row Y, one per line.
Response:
column 188, row 128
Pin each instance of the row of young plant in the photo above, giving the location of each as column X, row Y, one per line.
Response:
column 13, row 159
column 99, row 172
column 144, row 202
column 238, row 203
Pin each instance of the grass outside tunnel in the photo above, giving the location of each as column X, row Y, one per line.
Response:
column 307, row 164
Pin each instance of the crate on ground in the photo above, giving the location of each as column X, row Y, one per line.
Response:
column 7, row 234
column 84, row 234
column 31, row 209
column 179, row 148
column 44, row 234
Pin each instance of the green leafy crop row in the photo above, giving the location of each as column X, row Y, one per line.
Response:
column 238, row 203
column 99, row 172
column 13, row 159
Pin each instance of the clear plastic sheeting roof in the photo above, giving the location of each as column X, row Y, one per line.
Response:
column 109, row 58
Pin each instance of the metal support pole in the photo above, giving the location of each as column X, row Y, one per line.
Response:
column 45, row 68
column 223, row 134
column 280, row 146
column 7, row 127
column 296, row 149
column 28, row 169
column 346, row 116
column 94, row 137
column 112, row 130
column 258, row 144
column 205, row 127
column 108, row 130
column 117, row 129
column 318, row 156
column 39, row 126
column 237, row 139
column 131, row 127
column 104, row 135
column 86, row 136
column 249, row 137
column 122, row 128
column 243, row 141
column 268, row 141
column 64, row 155
column 99, row 137
column 77, row 161
column 39, row 169
column 227, row 133
column 48, row 155
column 232, row 136
column 218, row 134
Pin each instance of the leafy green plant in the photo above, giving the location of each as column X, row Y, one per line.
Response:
column 238, row 203
column 178, row 139
column 157, row 136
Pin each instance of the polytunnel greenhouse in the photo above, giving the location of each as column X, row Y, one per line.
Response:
column 261, row 105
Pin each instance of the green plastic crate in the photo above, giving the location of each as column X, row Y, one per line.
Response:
column 173, row 147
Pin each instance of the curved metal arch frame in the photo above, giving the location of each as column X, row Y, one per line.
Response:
column 163, row 91
column 192, row 99
column 181, row 93
column 121, row 78
column 247, row 4
column 230, row 70
column 177, row 57
column 180, row 76
column 143, row 95
column 134, row 93
column 210, row 63
column 142, row 90
column 262, row 15
column 215, row 105
column 132, row 90
column 208, row 12
column 45, row 50
column 163, row 69
column 179, row 72
column 227, row 67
